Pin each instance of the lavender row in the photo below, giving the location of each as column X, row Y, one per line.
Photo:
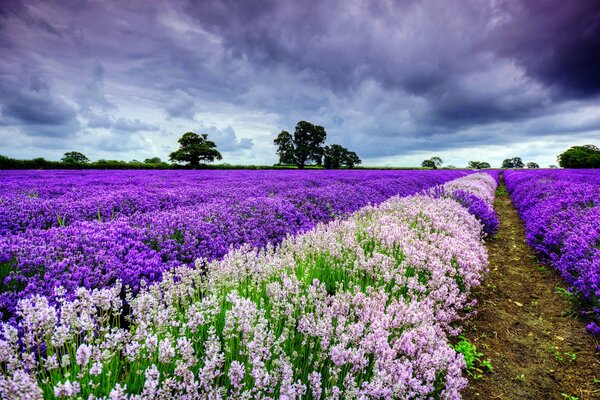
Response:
column 45, row 199
column 94, row 254
column 561, row 212
column 357, row 308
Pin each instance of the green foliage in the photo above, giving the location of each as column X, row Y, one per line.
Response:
column 514, row 162
column 478, row 165
column 285, row 148
column 74, row 157
column 501, row 191
column 117, row 164
column 532, row 165
column 587, row 156
column 569, row 397
column 574, row 299
column 433, row 163
column 308, row 143
column 153, row 160
column 194, row 149
column 473, row 358
column 306, row 147
column 336, row 156
column 572, row 356
column 428, row 164
column 560, row 357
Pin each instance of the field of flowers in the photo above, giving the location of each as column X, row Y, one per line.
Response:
column 357, row 307
column 561, row 212
column 92, row 228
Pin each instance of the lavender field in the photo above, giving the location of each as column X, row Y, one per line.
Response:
column 239, row 284
column 561, row 213
column 90, row 229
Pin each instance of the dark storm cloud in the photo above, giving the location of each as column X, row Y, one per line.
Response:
column 430, row 48
column 557, row 41
column 385, row 77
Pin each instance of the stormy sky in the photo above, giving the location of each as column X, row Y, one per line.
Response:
column 396, row 81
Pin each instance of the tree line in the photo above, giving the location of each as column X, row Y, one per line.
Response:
column 305, row 147
column 585, row 156
column 515, row 162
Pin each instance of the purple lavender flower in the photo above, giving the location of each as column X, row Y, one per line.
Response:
column 561, row 213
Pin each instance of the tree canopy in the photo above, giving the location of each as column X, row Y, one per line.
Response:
column 514, row 162
column 433, row 163
column 478, row 165
column 308, row 143
column 587, row 156
column 336, row 156
column 532, row 165
column 306, row 146
column 75, row 157
column 195, row 149
column 285, row 148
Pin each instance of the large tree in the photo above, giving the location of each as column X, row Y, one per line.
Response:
column 75, row 157
column 285, row 148
column 194, row 149
column 514, row 162
column 587, row 156
column 308, row 143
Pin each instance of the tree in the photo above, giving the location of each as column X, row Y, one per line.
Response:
column 153, row 160
column 433, row 163
column 478, row 165
column 75, row 157
column 428, row 164
column 352, row 159
column 587, row 156
column 335, row 156
column 285, row 148
column 437, row 162
column 308, row 143
column 194, row 149
column 514, row 162
column 552, row 166
column 532, row 165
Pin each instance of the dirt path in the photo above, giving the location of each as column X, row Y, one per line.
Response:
column 525, row 327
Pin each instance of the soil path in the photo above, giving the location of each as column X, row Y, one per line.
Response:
column 537, row 348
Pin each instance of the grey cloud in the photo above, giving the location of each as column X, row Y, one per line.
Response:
column 90, row 96
column 119, row 124
column 226, row 138
column 132, row 125
column 181, row 104
column 28, row 101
